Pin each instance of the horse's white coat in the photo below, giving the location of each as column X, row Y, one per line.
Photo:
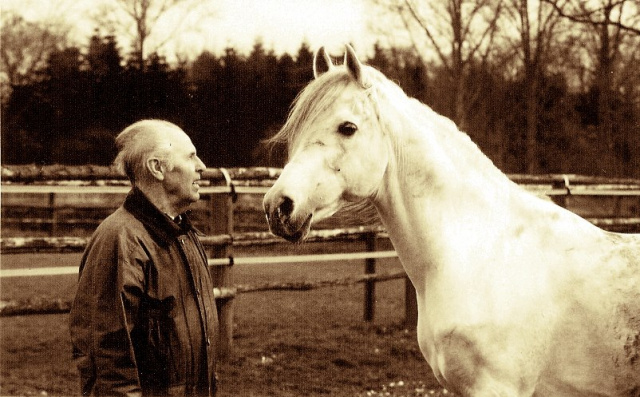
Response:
column 516, row 296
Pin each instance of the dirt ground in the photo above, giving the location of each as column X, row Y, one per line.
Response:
column 286, row 343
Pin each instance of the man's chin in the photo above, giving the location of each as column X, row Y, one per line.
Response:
column 188, row 201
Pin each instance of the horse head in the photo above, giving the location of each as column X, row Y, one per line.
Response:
column 337, row 152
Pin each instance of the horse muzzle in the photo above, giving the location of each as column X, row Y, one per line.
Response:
column 283, row 221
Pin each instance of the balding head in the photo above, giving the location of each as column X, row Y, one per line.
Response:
column 141, row 141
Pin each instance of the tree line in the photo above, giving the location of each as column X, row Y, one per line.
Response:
column 70, row 109
column 73, row 108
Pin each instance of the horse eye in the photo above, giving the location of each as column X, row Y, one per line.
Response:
column 347, row 128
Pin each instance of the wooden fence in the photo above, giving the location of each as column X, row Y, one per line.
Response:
column 618, row 209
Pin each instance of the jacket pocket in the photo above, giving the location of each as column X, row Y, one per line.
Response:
column 161, row 363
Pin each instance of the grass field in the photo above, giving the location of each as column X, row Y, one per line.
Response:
column 286, row 343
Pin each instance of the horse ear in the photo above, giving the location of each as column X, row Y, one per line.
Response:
column 321, row 62
column 354, row 66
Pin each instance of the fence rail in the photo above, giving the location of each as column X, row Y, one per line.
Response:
column 221, row 189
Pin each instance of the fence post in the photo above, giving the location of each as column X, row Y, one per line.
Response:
column 410, row 305
column 221, row 207
column 561, row 200
column 53, row 229
column 370, row 285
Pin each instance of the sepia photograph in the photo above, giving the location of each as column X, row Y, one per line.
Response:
column 349, row 198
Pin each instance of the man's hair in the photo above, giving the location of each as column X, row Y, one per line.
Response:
column 139, row 142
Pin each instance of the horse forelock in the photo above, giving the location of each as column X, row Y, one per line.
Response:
column 310, row 103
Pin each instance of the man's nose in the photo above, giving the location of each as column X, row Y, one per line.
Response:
column 200, row 166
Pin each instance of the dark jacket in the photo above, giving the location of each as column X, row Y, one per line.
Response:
column 144, row 319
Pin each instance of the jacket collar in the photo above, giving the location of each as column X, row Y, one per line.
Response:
column 159, row 225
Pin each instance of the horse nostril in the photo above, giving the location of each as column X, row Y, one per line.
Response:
column 286, row 207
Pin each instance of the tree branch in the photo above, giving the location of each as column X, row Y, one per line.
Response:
column 585, row 18
column 427, row 32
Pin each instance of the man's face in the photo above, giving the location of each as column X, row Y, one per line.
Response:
column 181, row 182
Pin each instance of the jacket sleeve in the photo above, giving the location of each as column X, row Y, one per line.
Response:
column 103, row 316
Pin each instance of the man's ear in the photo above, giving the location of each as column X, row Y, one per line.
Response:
column 156, row 168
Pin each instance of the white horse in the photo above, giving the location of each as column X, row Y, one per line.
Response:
column 516, row 295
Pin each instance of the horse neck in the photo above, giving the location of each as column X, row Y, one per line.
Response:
column 431, row 158
column 439, row 188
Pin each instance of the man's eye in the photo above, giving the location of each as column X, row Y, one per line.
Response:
column 347, row 128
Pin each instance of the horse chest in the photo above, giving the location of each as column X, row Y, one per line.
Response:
column 470, row 359
column 468, row 334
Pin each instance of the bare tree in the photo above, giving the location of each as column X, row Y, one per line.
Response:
column 611, row 31
column 592, row 13
column 144, row 20
column 535, row 24
column 26, row 46
column 464, row 37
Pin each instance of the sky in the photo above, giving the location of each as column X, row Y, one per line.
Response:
column 282, row 25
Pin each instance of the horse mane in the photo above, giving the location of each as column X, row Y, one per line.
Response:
column 391, row 104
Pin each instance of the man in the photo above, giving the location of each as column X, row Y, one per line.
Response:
column 144, row 319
